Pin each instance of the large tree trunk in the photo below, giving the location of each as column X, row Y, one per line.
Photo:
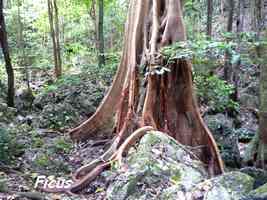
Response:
column 5, row 49
column 163, row 102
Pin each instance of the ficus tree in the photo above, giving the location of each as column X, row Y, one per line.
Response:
column 148, row 93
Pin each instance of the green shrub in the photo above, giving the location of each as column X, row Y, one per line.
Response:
column 215, row 93
column 62, row 146
column 42, row 160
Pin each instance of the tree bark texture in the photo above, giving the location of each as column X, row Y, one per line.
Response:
column 100, row 34
column 228, row 68
column 162, row 102
column 8, row 64
column 54, row 31
column 209, row 17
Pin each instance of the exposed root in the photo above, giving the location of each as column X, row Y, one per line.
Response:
column 98, row 166
column 106, row 157
column 167, row 104
column 80, row 184
column 86, row 174
column 131, row 140
column 217, row 163
column 82, row 171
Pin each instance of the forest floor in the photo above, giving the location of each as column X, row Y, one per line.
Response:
column 39, row 126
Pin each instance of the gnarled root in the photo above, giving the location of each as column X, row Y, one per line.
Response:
column 131, row 140
column 88, row 173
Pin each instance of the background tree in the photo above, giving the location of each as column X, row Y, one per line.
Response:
column 240, row 16
column 54, row 29
column 257, row 150
column 261, row 159
column 5, row 50
column 229, row 71
column 100, row 34
column 209, row 17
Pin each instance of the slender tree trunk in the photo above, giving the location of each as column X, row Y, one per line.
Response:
column 54, row 30
column 230, row 15
column 262, row 151
column 228, row 68
column 258, row 151
column 20, row 26
column 100, row 34
column 253, row 15
column 209, row 17
column 57, row 36
column 240, row 16
column 5, row 49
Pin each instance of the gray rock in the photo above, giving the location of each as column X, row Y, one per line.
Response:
column 230, row 186
column 253, row 88
column 249, row 101
column 223, row 131
column 259, row 193
column 259, row 175
column 248, row 125
column 160, row 168
column 159, row 163
column 23, row 100
column 7, row 114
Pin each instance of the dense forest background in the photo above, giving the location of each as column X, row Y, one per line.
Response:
column 59, row 59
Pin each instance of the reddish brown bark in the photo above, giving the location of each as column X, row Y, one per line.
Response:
column 168, row 104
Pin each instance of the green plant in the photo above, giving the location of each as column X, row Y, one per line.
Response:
column 42, row 160
column 62, row 146
column 37, row 142
column 215, row 93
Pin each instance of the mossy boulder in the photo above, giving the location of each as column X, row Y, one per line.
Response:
column 258, row 194
column 249, row 101
column 7, row 114
column 229, row 186
column 161, row 168
column 23, row 100
column 259, row 175
column 157, row 164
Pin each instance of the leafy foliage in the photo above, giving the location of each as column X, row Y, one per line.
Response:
column 215, row 93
